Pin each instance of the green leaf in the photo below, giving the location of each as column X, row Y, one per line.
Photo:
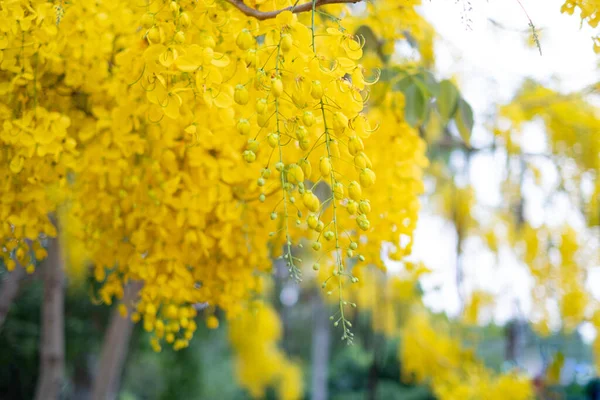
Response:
column 447, row 100
column 433, row 87
column 403, row 84
column 464, row 120
column 415, row 105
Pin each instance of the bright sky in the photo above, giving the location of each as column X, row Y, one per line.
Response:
column 490, row 63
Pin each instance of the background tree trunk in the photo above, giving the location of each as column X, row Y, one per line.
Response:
column 52, row 340
column 9, row 291
column 114, row 349
column 320, row 348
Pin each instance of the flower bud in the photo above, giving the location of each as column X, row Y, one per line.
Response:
column 306, row 167
column 286, row 43
column 311, row 201
column 148, row 20
column 308, row 118
column 316, row 90
column 240, row 95
column 249, row 156
column 273, row 139
column 261, row 106
column 295, row 174
column 276, row 87
column 367, row 177
column 184, row 19
column 354, row 191
column 355, row 145
column 325, row 166
column 312, row 222
column 244, row 39
column 243, row 126
column 362, row 222
column 179, row 37
column 352, row 207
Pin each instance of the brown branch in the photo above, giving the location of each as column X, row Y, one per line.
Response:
column 263, row 15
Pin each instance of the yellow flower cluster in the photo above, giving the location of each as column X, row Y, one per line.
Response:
column 136, row 122
column 36, row 150
column 260, row 363
column 430, row 354
column 590, row 13
column 571, row 124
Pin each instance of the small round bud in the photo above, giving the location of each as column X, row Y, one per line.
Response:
column 361, row 257
column 312, row 221
column 273, row 139
column 354, row 191
column 316, row 90
column 364, row 206
column 261, row 106
column 328, row 235
column 354, row 245
column 352, row 207
column 308, row 118
column 273, row 215
column 154, row 35
column 260, row 182
column 286, row 43
column 179, row 37
column 276, row 87
column 243, row 126
column 240, row 95
column 320, row 226
column 295, row 174
column 316, row 246
column 262, row 198
column 249, row 156
column 251, row 58
column 279, row 166
column 252, row 145
column 184, row 19
column 316, row 266
column 244, row 40
column 148, row 20
column 325, row 166
column 367, row 177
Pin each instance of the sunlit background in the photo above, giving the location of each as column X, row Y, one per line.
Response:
column 490, row 53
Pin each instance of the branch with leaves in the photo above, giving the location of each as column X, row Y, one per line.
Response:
column 296, row 9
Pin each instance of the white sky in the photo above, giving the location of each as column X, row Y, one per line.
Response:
column 490, row 64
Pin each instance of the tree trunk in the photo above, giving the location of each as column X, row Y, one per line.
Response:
column 320, row 348
column 114, row 349
column 52, row 340
column 373, row 380
column 9, row 291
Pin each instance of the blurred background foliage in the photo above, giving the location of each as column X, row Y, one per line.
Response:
column 369, row 369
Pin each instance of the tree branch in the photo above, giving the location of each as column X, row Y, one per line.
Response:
column 9, row 289
column 52, row 338
column 114, row 348
column 263, row 15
